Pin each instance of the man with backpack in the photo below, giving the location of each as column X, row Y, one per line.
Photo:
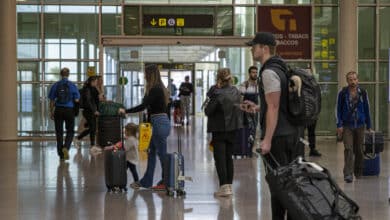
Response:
column 353, row 114
column 64, row 97
column 279, row 136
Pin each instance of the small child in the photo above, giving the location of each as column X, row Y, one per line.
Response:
column 131, row 148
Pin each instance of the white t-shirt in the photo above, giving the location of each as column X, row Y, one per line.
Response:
column 131, row 148
column 248, row 87
column 271, row 81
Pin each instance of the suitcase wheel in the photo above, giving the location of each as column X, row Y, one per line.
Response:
column 180, row 193
column 170, row 193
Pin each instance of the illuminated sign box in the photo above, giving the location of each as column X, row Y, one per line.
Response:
column 188, row 21
column 291, row 26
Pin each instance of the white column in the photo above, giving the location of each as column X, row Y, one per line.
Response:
column 348, row 39
column 8, row 89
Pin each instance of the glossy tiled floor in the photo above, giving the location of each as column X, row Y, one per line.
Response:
column 34, row 184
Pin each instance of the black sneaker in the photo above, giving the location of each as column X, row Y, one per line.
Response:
column 348, row 179
column 314, row 153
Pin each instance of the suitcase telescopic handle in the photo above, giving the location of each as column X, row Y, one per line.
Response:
column 179, row 140
column 266, row 161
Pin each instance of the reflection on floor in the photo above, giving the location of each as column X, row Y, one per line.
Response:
column 34, row 184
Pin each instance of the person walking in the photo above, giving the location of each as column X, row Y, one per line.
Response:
column 224, row 119
column 185, row 91
column 279, row 137
column 64, row 96
column 250, row 91
column 155, row 101
column 311, row 133
column 90, row 105
column 353, row 117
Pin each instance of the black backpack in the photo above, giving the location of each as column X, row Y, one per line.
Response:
column 304, row 103
column 63, row 93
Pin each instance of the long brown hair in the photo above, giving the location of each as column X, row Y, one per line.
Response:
column 224, row 77
column 153, row 79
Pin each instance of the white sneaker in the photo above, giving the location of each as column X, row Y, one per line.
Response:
column 95, row 150
column 223, row 191
column 231, row 187
column 77, row 143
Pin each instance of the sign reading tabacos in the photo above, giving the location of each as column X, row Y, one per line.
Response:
column 291, row 26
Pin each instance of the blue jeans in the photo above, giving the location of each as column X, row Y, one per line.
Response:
column 158, row 145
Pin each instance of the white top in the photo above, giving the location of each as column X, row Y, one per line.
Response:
column 248, row 87
column 131, row 148
column 271, row 81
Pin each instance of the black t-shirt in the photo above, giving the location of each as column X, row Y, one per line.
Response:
column 154, row 102
column 186, row 88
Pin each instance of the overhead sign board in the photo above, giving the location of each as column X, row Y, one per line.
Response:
column 181, row 21
column 291, row 26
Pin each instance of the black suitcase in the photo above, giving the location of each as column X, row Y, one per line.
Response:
column 373, row 142
column 115, row 170
column 308, row 191
column 115, row 165
column 109, row 130
column 242, row 147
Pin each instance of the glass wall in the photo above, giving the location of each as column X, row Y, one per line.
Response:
column 374, row 58
column 51, row 37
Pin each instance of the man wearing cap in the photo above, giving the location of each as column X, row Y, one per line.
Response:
column 279, row 137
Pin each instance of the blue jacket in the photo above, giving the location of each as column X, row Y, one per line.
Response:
column 359, row 117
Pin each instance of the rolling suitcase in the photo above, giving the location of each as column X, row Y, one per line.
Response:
column 371, row 166
column 243, row 146
column 373, row 145
column 308, row 191
column 115, row 166
column 109, row 130
column 115, row 170
column 173, row 171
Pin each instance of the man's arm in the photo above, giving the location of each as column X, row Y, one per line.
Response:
column 273, row 102
column 51, row 108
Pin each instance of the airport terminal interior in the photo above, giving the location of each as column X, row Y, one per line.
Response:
column 117, row 38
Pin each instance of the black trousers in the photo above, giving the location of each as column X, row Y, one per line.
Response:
column 223, row 143
column 64, row 115
column 311, row 129
column 91, row 130
column 285, row 149
column 133, row 170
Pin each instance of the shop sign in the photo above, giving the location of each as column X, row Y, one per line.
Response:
column 291, row 26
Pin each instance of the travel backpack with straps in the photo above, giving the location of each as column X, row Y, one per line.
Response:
column 63, row 93
column 304, row 97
